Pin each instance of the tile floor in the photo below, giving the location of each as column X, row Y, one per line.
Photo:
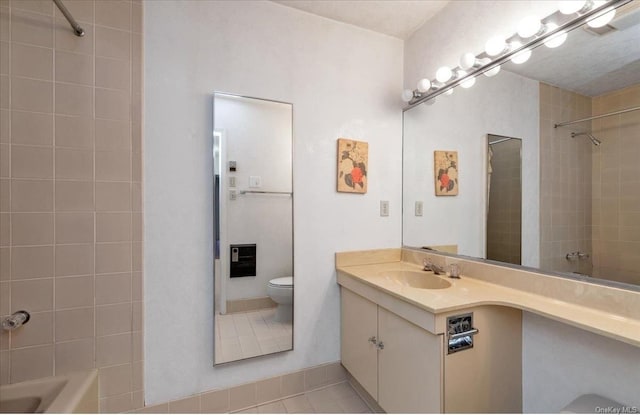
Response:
column 336, row 399
column 250, row 334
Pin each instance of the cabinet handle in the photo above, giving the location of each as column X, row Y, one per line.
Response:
column 380, row 346
column 373, row 340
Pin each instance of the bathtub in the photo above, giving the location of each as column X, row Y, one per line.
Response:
column 72, row 393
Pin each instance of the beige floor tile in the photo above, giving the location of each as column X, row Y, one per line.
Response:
column 298, row 405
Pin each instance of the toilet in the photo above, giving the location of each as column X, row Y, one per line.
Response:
column 281, row 291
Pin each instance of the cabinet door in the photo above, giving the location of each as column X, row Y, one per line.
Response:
column 359, row 356
column 409, row 366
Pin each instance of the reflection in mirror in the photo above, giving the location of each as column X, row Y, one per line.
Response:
column 577, row 110
column 253, row 227
column 504, row 199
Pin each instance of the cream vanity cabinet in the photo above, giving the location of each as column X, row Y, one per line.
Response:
column 408, row 369
column 398, row 363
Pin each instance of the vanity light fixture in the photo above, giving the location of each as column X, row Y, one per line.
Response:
column 468, row 83
column 444, row 74
column 552, row 31
column 424, row 85
column 571, row 6
column 557, row 39
column 530, row 26
column 520, row 57
column 495, row 46
column 601, row 19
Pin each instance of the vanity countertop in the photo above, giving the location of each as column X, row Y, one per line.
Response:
column 468, row 292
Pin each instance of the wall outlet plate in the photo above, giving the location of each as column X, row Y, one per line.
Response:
column 419, row 208
column 384, row 208
column 233, row 195
column 255, row 181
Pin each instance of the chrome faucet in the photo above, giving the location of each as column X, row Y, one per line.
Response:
column 430, row 266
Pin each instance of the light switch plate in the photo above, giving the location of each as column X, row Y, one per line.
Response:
column 232, row 181
column 384, row 208
column 255, row 181
column 419, row 208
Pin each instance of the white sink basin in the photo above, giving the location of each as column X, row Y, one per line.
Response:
column 416, row 279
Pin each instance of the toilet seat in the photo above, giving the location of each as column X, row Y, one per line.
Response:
column 282, row 282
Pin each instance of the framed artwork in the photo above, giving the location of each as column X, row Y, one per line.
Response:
column 446, row 172
column 353, row 162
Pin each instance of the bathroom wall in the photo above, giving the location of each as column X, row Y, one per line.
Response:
column 438, row 127
column 258, row 137
column 343, row 82
column 504, row 218
column 565, row 177
column 70, row 193
column 616, row 187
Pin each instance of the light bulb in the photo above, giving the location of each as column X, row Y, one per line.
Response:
column 529, row 26
column 407, row 95
column 424, row 85
column 468, row 83
column 570, row 6
column 467, row 61
column 495, row 46
column 601, row 19
column 444, row 74
column 492, row 72
column 557, row 39
column 448, row 92
column 520, row 57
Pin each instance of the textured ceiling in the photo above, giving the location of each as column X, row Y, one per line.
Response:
column 591, row 64
column 397, row 18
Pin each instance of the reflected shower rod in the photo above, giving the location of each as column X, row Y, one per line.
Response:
column 595, row 117
column 79, row 31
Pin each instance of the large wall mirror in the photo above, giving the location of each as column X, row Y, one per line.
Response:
column 579, row 199
column 253, row 227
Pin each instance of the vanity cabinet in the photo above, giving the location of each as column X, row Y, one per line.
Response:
column 407, row 369
column 398, row 363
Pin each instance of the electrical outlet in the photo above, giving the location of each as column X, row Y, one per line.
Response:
column 232, row 181
column 233, row 195
column 418, row 209
column 384, row 208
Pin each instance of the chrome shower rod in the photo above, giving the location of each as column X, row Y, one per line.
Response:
column 79, row 31
column 595, row 117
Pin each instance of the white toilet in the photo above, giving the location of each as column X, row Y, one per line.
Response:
column 281, row 291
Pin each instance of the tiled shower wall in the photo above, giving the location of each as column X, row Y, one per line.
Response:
column 565, row 186
column 616, row 187
column 71, row 193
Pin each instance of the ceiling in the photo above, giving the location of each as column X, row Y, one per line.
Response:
column 587, row 63
column 397, row 18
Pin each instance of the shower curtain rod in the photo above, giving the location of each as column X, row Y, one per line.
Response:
column 500, row 140
column 595, row 117
column 79, row 31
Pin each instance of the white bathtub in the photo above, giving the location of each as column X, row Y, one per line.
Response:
column 72, row 393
